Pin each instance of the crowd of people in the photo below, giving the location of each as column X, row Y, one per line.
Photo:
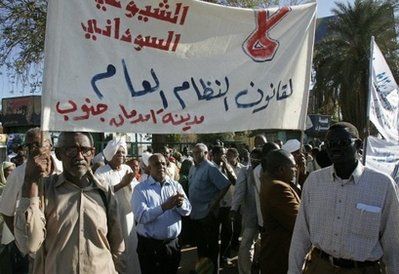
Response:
column 284, row 207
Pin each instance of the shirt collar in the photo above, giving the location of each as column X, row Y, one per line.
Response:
column 152, row 181
column 61, row 179
column 355, row 176
column 201, row 163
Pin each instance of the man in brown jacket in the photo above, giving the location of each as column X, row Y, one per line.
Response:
column 279, row 205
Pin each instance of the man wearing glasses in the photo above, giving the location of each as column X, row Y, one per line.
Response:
column 75, row 228
column 349, row 216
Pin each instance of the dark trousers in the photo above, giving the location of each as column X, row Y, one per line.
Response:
column 186, row 236
column 207, row 237
column 317, row 265
column 226, row 231
column 12, row 261
column 235, row 243
column 158, row 256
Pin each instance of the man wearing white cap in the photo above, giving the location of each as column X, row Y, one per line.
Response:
column 122, row 178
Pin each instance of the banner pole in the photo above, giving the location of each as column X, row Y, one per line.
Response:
column 367, row 124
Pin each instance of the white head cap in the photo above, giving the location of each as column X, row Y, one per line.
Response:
column 291, row 145
column 112, row 147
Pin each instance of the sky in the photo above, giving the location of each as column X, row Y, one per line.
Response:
column 323, row 9
column 324, row 6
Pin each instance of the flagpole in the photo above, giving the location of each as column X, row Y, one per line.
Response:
column 367, row 124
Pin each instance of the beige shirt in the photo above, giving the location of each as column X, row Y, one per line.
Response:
column 72, row 236
column 356, row 219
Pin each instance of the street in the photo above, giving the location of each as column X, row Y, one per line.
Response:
column 189, row 257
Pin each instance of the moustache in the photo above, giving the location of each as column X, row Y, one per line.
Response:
column 79, row 163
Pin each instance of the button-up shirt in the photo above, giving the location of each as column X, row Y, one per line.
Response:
column 244, row 197
column 205, row 182
column 356, row 219
column 152, row 221
column 77, row 233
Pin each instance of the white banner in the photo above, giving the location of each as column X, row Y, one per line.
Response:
column 384, row 98
column 382, row 155
column 175, row 66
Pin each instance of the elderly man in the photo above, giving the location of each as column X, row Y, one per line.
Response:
column 122, row 179
column 349, row 214
column 279, row 205
column 207, row 186
column 158, row 204
column 72, row 223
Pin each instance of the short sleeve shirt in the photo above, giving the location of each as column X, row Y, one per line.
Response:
column 205, row 182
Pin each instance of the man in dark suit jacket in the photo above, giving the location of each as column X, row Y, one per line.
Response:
column 279, row 205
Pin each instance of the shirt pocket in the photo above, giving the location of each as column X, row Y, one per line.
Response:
column 202, row 183
column 366, row 224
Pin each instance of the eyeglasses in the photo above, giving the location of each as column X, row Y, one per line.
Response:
column 73, row 151
column 339, row 143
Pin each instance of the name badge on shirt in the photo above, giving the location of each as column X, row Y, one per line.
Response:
column 368, row 208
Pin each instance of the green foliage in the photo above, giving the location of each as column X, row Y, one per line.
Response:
column 211, row 138
column 341, row 60
column 22, row 31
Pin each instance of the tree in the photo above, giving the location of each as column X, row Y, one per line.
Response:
column 22, row 31
column 342, row 59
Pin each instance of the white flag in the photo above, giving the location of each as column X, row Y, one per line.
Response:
column 384, row 98
column 382, row 155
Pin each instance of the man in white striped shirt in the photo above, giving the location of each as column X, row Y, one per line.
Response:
column 349, row 216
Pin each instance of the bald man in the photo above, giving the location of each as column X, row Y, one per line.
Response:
column 279, row 205
column 158, row 204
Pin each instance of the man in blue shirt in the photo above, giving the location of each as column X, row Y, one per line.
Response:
column 207, row 186
column 158, row 204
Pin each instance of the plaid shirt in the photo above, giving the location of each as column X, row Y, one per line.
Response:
column 355, row 219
